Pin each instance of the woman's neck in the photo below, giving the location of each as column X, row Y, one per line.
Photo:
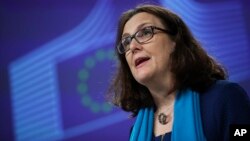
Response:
column 164, row 101
column 162, row 91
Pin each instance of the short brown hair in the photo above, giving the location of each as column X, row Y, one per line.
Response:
column 191, row 65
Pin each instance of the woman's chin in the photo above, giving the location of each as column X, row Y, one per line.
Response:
column 143, row 79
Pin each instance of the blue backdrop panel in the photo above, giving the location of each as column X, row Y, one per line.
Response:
column 58, row 90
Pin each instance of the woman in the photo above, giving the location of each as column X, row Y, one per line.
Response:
column 165, row 78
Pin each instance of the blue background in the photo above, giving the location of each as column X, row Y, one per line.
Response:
column 56, row 61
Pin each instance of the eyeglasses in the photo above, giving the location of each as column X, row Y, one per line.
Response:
column 141, row 36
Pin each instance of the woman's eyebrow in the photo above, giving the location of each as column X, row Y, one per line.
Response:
column 138, row 28
column 125, row 35
column 142, row 25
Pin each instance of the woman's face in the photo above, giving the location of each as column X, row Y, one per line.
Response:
column 148, row 62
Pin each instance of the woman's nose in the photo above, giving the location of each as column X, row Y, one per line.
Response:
column 134, row 46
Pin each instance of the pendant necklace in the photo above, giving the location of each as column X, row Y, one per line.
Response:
column 163, row 118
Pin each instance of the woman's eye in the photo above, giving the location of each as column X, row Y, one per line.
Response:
column 126, row 41
column 144, row 32
column 147, row 31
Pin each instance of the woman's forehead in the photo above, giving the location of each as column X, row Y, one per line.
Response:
column 139, row 21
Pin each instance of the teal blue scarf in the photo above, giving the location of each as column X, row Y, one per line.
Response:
column 187, row 124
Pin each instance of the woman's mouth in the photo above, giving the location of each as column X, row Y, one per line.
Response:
column 140, row 61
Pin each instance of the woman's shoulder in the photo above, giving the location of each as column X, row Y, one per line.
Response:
column 224, row 83
column 223, row 104
column 225, row 88
column 225, row 94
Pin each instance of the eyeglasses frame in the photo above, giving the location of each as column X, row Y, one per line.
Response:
column 134, row 37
